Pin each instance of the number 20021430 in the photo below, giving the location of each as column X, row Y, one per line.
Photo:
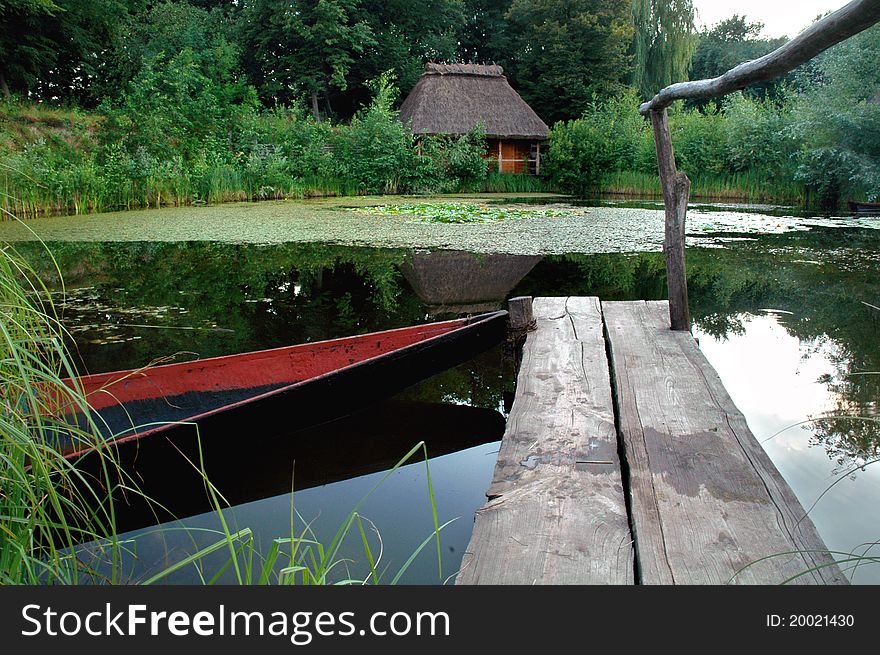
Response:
column 810, row 621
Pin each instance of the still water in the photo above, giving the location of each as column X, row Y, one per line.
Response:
column 788, row 317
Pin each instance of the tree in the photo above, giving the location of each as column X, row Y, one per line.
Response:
column 729, row 43
column 180, row 88
column 161, row 32
column 484, row 35
column 305, row 47
column 406, row 34
column 566, row 52
column 50, row 48
column 663, row 43
column 23, row 50
column 838, row 123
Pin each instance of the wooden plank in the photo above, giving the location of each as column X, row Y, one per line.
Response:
column 557, row 512
column 707, row 503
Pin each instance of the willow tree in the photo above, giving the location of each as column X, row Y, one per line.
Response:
column 663, row 44
column 847, row 21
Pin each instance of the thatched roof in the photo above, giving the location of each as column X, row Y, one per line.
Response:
column 453, row 98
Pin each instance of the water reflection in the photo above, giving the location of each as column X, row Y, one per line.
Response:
column 781, row 384
column 782, row 317
column 449, row 281
column 369, row 441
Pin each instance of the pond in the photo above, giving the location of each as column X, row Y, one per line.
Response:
column 785, row 307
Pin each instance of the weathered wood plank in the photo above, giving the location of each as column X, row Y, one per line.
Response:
column 707, row 503
column 557, row 512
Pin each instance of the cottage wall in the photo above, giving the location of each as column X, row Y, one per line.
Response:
column 512, row 156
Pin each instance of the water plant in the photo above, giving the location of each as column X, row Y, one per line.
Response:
column 460, row 212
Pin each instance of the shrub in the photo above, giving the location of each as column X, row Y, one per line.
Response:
column 376, row 150
column 606, row 138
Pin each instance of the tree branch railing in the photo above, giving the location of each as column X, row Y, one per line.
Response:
column 838, row 26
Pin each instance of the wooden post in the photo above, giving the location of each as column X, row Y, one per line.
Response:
column 500, row 166
column 520, row 316
column 676, row 191
column 538, row 160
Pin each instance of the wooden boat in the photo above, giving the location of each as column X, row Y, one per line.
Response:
column 233, row 399
column 369, row 441
column 864, row 207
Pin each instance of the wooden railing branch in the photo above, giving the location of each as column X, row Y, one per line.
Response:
column 838, row 26
column 821, row 35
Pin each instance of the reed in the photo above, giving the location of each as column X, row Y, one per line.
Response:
column 512, row 183
column 739, row 187
column 58, row 527
column 46, row 507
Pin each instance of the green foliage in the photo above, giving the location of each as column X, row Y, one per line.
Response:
column 728, row 44
column 484, row 35
column 51, row 48
column 606, row 138
column 663, row 43
column 569, row 52
column 838, row 123
column 376, row 149
column 759, row 138
column 746, row 151
column 405, row 34
column 299, row 49
column 699, row 141
column 452, row 164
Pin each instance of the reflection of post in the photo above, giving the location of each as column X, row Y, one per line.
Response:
column 676, row 189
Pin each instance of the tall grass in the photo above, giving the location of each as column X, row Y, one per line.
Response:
column 748, row 187
column 46, row 506
column 87, row 188
column 514, row 183
column 741, row 187
column 48, row 509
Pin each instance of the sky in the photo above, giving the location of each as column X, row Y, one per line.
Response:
column 780, row 17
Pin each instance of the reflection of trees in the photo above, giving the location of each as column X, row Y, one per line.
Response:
column 274, row 295
column 821, row 276
column 261, row 297
column 850, row 438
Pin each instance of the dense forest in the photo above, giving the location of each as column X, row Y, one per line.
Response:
column 124, row 103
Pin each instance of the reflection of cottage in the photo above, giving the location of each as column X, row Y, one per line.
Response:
column 451, row 282
column 452, row 98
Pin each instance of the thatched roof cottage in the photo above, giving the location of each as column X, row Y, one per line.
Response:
column 451, row 99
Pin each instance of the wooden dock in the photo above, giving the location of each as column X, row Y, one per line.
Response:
column 625, row 461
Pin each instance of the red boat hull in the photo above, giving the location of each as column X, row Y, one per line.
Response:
column 232, row 398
